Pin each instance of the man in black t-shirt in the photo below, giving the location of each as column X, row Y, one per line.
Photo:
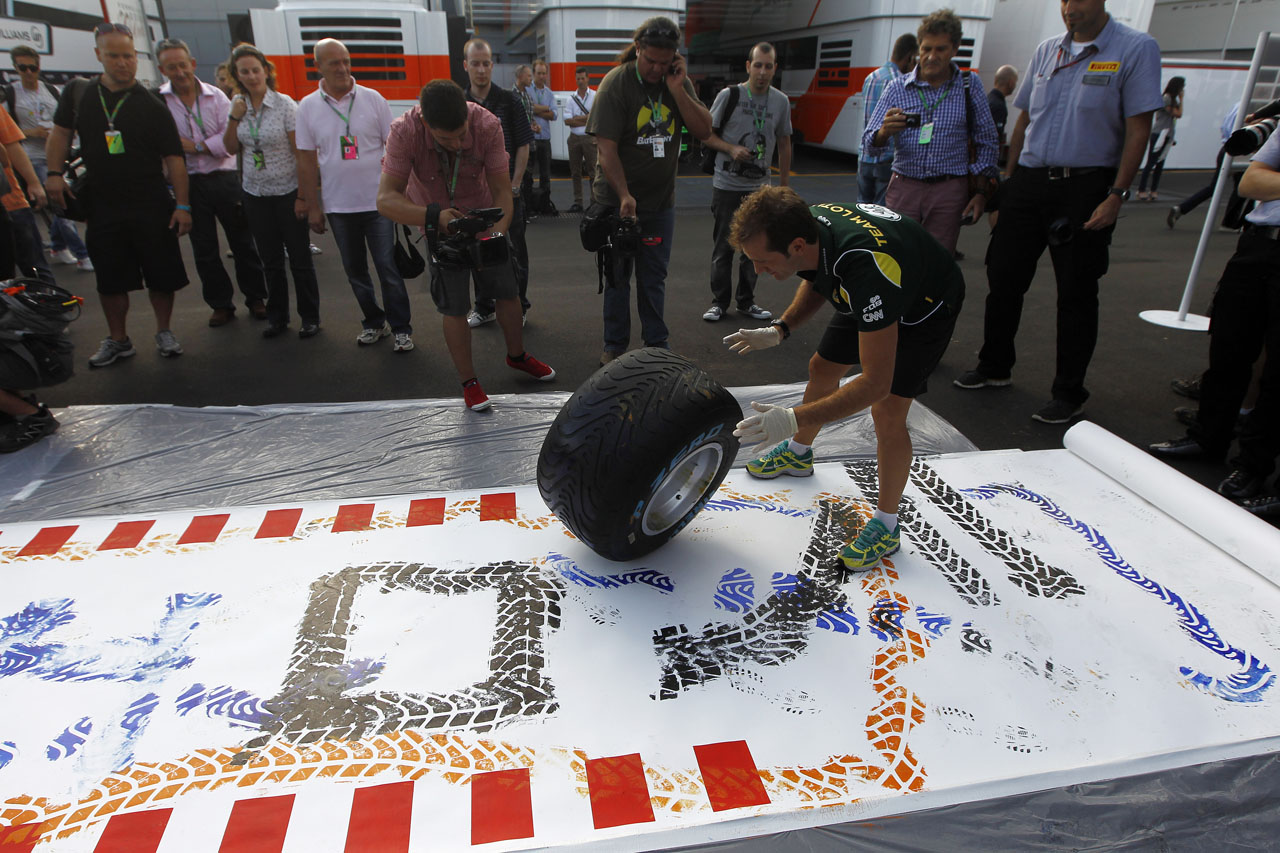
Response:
column 516, row 133
column 128, row 140
column 896, row 292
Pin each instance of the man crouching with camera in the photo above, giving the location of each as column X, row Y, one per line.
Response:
column 445, row 170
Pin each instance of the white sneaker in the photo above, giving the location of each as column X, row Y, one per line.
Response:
column 84, row 265
column 403, row 342
column 372, row 336
column 63, row 256
column 167, row 344
column 755, row 312
column 714, row 313
column 475, row 318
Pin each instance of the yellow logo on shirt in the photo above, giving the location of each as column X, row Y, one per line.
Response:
column 1104, row 66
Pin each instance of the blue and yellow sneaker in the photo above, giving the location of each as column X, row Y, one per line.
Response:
column 781, row 461
column 874, row 542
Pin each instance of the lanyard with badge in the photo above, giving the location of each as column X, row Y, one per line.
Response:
column 195, row 119
column 115, row 142
column 1084, row 54
column 255, row 129
column 347, row 142
column 926, row 129
column 759, row 119
column 655, row 118
column 451, row 184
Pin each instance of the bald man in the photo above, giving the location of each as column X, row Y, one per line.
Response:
column 1005, row 81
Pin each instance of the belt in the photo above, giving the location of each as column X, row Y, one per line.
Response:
column 1266, row 232
column 933, row 179
column 1057, row 173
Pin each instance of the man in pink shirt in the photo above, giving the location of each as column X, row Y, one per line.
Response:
column 445, row 158
column 200, row 112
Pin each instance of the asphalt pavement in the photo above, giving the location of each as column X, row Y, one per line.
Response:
column 1129, row 376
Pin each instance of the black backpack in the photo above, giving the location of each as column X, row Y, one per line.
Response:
column 708, row 163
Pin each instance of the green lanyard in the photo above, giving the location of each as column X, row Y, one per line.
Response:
column 346, row 119
column 655, row 110
column 255, row 127
column 931, row 107
column 197, row 117
column 111, row 116
column 451, row 184
column 759, row 120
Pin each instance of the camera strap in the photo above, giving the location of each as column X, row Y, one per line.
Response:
column 432, row 226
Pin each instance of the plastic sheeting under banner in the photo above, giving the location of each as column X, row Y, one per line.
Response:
column 450, row 669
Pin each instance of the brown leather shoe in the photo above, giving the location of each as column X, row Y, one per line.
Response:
column 258, row 309
column 221, row 316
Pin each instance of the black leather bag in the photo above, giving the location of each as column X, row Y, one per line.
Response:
column 595, row 226
column 409, row 262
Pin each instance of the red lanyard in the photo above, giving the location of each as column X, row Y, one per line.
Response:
column 1084, row 54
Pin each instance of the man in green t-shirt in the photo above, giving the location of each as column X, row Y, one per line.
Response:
column 896, row 293
column 636, row 120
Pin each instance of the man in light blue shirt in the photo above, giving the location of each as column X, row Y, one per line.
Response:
column 543, row 102
column 1246, row 319
column 1086, row 113
column 875, row 168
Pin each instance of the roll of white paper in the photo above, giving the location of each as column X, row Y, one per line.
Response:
column 1248, row 539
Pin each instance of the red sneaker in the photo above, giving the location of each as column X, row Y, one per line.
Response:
column 533, row 367
column 475, row 398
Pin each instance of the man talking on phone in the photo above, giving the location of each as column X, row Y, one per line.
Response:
column 639, row 110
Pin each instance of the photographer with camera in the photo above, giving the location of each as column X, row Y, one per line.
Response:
column 636, row 120
column 445, row 170
column 1246, row 319
column 944, row 165
column 752, row 118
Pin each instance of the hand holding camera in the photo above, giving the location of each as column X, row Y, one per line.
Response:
column 468, row 245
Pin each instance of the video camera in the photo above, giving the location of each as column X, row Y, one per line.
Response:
column 625, row 237
column 464, row 248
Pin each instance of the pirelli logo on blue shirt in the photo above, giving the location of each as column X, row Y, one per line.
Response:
column 1104, row 66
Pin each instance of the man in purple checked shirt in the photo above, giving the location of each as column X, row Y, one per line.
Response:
column 934, row 115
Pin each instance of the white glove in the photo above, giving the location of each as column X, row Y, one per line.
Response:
column 772, row 425
column 744, row 341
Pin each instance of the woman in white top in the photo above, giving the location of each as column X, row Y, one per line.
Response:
column 261, row 126
column 1161, row 141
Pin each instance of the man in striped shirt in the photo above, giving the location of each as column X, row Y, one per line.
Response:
column 874, row 169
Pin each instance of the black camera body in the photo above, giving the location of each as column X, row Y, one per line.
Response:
column 464, row 248
column 749, row 170
column 913, row 119
column 625, row 238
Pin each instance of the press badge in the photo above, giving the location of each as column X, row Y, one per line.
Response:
column 115, row 142
column 1096, row 79
column 926, row 133
column 659, row 148
column 259, row 160
column 350, row 148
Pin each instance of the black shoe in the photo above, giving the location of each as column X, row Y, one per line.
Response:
column 1241, row 484
column 1264, row 506
column 1179, row 448
column 309, row 330
column 27, row 429
column 1187, row 415
column 975, row 378
column 1058, row 412
column 1189, row 388
column 275, row 330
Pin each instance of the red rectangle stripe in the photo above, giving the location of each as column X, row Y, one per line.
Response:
column 353, row 517
column 498, row 507
column 380, row 819
column 19, row 839
column 501, row 806
column 48, row 541
column 425, row 511
column 619, row 791
column 257, row 826
column 730, row 776
column 279, row 524
column 134, row 832
column 127, row 534
column 204, row 528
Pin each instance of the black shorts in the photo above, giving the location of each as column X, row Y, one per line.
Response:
column 920, row 348
column 133, row 244
column 451, row 286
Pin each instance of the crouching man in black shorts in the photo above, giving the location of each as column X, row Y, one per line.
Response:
column 896, row 292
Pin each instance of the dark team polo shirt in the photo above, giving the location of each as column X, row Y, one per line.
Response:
column 881, row 267
column 137, row 174
column 515, row 123
column 636, row 116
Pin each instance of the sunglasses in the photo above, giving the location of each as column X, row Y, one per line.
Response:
column 107, row 27
column 660, row 37
column 24, row 67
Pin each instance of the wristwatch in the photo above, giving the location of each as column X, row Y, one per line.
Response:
column 782, row 327
column 1123, row 192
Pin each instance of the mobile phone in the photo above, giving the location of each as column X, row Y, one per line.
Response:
column 913, row 119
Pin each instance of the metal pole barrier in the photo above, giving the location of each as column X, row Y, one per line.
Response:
column 1181, row 319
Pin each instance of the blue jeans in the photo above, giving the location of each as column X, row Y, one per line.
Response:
column 62, row 232
column 352, row 232
column 650, row 267
column 28, row 250
column 873, row 180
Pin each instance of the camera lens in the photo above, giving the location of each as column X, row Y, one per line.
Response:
column 1060, row 231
